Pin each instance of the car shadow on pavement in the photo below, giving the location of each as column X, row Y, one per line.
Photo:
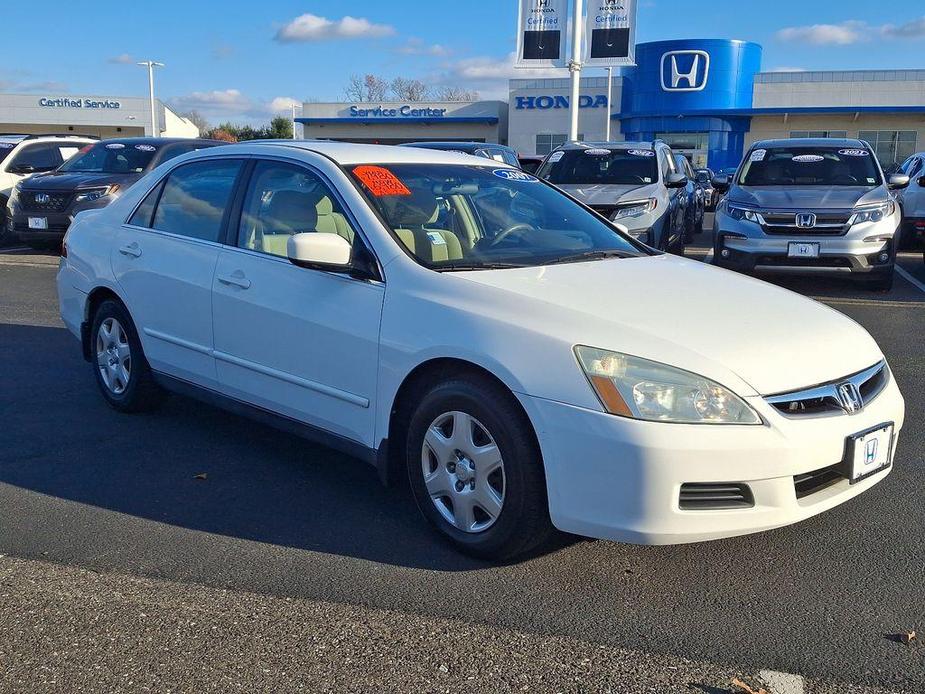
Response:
column 195, row 466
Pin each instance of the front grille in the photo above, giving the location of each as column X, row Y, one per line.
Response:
column 824, row 399
column 715, row 496
column 53, row 228
column 827, row 224
column 44, row 201
column 811, row 482
column 605, row 210
column 785, row 261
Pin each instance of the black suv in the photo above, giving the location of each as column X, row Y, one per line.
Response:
column 41, row 207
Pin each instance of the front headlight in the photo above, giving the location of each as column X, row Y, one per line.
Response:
column 14, row 194
column 642, row 389
column 874, row 214
column 741, row 213
column 91, row 194
column 634, row 209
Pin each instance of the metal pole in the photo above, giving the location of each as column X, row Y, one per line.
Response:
column 151, row 64
column 609, row 107
column 575, row 69
column 294, row 136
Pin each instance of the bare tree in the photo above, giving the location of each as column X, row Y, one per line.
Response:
column 447, row 93
column 198, row 120
column 409, row 90
column 366, row 88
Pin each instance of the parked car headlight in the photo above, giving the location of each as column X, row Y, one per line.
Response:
column 91, row 194
column 745, row 213
column 641, row 389
column 634, row 209
column 874, row 214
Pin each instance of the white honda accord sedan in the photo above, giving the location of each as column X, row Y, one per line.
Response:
column 522, row 360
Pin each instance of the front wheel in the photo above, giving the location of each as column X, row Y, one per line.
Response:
column 476, row 471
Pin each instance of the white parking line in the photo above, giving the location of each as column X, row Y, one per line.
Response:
column 909, row 278
column 783, row 683
column 15, row 250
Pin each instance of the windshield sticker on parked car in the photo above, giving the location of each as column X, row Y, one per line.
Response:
column 115, row 145
column 436, row 239
column 514, row 175
column 6, row 145
column 146, row 148
column 380, row 181
column 641, row 152
column 647, row 180
column 854, row 152
column 872, row 181
column 556, row 156
column 758, row 155
column 808, row 159
column 598, row 152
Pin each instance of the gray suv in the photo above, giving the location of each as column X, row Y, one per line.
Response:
column 810, row 206
column 635, row 184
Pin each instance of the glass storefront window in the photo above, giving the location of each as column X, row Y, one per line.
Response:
column 546, row 143
column 891, row 146
column 819, row 133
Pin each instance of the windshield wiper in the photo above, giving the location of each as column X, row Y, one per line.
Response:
column 589, row 255
column 455, row 267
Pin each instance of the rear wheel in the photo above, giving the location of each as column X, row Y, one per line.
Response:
column 119, row 365
column 476, row 471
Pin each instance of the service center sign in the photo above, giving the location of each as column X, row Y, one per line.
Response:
column 541, row 33
column 610, row 33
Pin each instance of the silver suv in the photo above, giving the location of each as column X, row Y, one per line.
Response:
column 814, row 206
column 635, row 184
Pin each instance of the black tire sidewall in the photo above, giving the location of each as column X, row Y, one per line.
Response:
column 127, row 400
column 525, row 492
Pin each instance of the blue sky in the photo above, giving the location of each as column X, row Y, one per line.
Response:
column 245, row 64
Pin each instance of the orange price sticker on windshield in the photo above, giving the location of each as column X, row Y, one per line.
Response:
column 380, row 181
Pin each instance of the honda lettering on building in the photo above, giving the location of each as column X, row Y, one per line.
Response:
column 544, row 103
column 685, row 71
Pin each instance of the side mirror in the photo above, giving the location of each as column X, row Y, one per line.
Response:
column 676, row 180
column 319, row 251
column 721, row 183
column 898, row 181
column 22, row 169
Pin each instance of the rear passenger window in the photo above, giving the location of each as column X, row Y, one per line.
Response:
column 145, row 211
column 195, row 197
column 284, row 199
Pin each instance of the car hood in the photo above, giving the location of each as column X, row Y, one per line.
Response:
column 64, row 180
column 808, row 197
column 692, row 316
column 608, row 194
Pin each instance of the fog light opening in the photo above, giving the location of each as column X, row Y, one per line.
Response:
column 725, row 253
column 884, row 257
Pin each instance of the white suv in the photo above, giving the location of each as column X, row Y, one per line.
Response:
column 524, row 361
column 24, row 155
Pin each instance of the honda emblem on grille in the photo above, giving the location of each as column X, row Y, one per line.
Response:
column 849, row 397
column 42, row 198
column 806, row 220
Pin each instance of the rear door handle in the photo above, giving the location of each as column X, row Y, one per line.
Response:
column 236, row 279
column 131, row 250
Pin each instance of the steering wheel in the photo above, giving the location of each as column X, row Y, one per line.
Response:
column 514, row 228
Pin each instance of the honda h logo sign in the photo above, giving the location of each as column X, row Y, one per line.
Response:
column 685, row 71
column 807, row 220
column 42, row 198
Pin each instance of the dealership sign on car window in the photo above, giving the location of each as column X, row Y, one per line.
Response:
column 610, row 33
column 541, row 33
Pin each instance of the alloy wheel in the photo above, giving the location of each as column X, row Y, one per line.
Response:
column 113, row 356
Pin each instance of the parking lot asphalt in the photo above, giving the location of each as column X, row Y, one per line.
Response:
column 82, row 485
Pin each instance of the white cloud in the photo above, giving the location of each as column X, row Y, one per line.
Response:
column 910, row 30
column 283, row 104
column 417, row 47
column 311, row 27
column 489, row 76
column 232, row 104
column 843, row 34
column 122, row 59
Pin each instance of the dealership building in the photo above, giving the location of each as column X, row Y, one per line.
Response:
column 84, row 114
column 708, row 98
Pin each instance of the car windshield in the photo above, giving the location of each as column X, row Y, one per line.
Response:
column 111, row 158
column 7, row 145
column 601, row 166
column 460, row 217
column 810, row 166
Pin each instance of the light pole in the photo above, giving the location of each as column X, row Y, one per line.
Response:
column 574, row 67
column 609, row 107
column 151, row 64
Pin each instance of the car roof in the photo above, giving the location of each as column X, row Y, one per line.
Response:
column 608, row 145
column 350, row 153
column 162, row 141
column 810, row 142
column 18, row 138
column 459, row 146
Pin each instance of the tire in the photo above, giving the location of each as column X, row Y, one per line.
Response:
column 881, row 283
column 128, row 385
column 515, row 519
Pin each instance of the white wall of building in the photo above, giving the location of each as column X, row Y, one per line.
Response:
column 843, row 88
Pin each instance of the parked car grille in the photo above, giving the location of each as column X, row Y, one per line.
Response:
column 715, row 496
column 605, row 210
column 826, row 398
column 811, row 482
column 827, row 224
column 785, row 261
column 44, row 201
column 52, row 227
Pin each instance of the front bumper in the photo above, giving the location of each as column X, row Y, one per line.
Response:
column 58, row 224
column 620, row 479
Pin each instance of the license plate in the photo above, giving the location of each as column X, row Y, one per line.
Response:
column 803, row 250
column 38, row 222
column 870, row 451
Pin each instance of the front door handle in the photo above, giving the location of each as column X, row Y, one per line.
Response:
column 131, row 250
column 235, row 279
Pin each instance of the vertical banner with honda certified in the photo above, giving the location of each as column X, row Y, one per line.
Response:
column 610, row 33
column 541, row 33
